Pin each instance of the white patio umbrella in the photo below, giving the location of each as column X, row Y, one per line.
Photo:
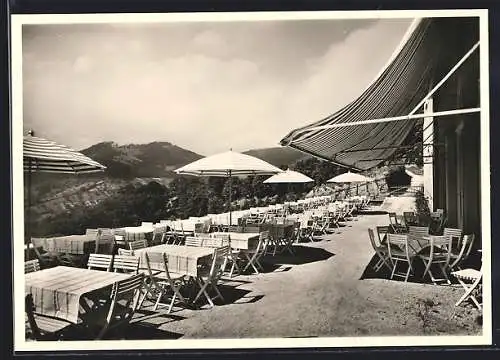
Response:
column 288, row 176
column 229, row 164
column 350, row 177
column 42, row 155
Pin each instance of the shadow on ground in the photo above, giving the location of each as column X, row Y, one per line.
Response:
column 418, row 270
column 302, row 255
column 143, row 331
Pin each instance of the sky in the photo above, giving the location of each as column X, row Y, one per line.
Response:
column 203, row 86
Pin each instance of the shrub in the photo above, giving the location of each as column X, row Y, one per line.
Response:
column 422, row 208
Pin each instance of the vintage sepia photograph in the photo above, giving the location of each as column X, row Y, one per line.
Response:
column 251, row 180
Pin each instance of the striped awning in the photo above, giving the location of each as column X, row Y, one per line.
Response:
column 41, row 155
column 428, row 51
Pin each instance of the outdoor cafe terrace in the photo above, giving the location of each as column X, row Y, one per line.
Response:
column 316, row 267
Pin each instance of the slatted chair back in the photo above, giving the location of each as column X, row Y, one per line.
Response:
column 456, row 234
column 126, row 264
column 398, row 241
column 216, row 242
column 159, row 233
column 100, row 261
column 124, row 298
column 410, row 218
column 126, row 252
column 92, row 233
column 31, row 266
column 218, row 262
column 263, row 242
column 45, row 258
column 160, row 261
column 382, row 232
column 418, row 231
column 105, row 243
column 440, row 249
column 393, row 219
column 193, row 241
column 138, row 244
column 373, row 241
column 198, row 228
column 463, row 251
column 43, row 327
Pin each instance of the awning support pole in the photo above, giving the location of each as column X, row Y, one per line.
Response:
column 395, row 118
column 443, row 80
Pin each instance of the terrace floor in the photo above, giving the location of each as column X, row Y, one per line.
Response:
column 327, row 289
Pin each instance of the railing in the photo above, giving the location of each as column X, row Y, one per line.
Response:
column 399, row 190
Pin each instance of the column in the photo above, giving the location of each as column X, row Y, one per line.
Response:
column 428, row 151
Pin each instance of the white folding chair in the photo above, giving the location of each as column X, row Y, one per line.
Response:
column 399, row 252
column 210, row 280
column 253, row 256
column 381, row 251
column 457, row 258
column 161, row 280
column 437, row 253
column 124, row 301
column 126, row 264
column 31, row 266
column 138, row 244
column 100, row 261
column 470, row 279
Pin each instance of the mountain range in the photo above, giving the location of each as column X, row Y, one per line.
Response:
column 135, row 164
column 160, row 159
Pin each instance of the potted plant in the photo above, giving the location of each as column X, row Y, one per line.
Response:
column 423, row 212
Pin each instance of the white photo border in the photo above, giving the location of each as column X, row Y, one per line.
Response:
column 20, row 344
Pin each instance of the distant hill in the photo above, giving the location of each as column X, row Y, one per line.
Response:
column 156, row 159
column 136, row 164
column 278, row 156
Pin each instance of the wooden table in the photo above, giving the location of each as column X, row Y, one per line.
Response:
column 241, row 241
column 134, row 233
column 60, row 291
column 71, row 244
column 183, row 260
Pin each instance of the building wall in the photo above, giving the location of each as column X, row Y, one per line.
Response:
column 457, row 158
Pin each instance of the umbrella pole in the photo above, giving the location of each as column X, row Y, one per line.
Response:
column 230, row 198
column 27, row 223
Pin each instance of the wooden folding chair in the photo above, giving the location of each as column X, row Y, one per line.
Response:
column 100, row 261
column 381, row 251
column 461, row 253
column 394, row 223
column 45, row 258
column 193, row 241
column 438, row 253
column 209, row 280
column 418, row 231
column 31, row 266
column 399, row 252
column 470, row 279
column 126, row 264
column 456, row 234
column 126, row 252
column 160, row 280
column 44, row 327
column 253, row 256
column 123, row 302
column 159, row 234
column 105, row 242
column 138, row 244
column 382, row 232
column 410, row 218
